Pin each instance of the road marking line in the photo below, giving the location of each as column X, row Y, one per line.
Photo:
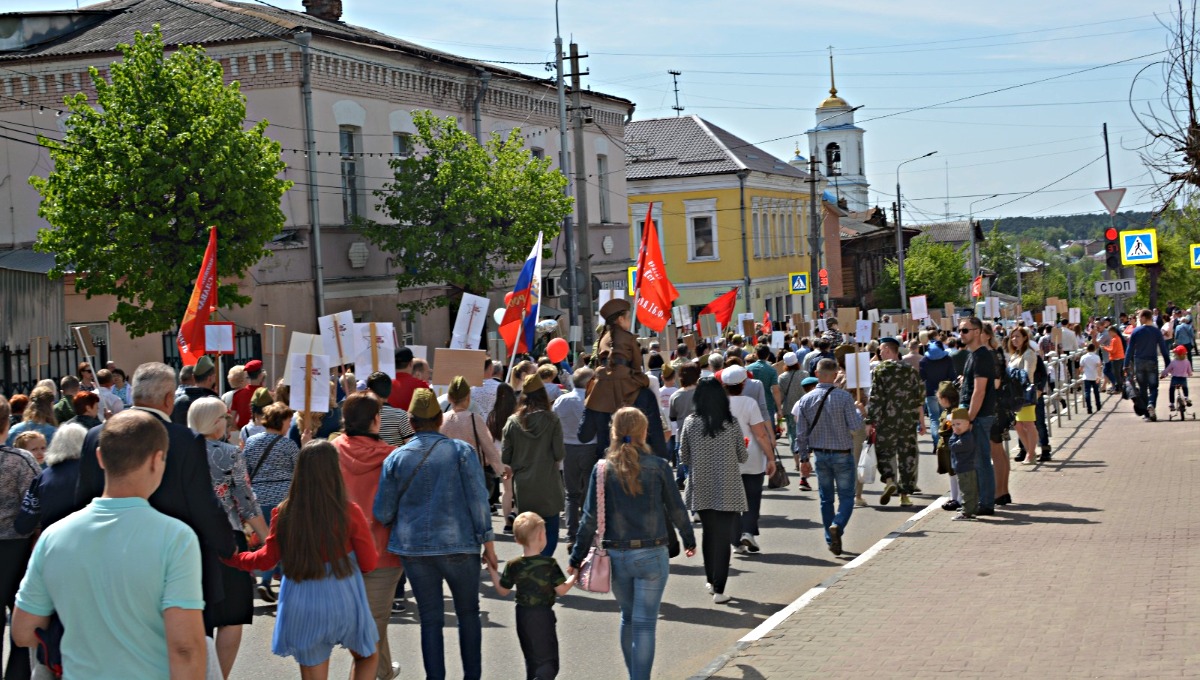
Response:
column 811, row 594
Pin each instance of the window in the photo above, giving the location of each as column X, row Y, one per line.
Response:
column 348, row 143
column 407, row 329
column 402, row 144
column 701, row 220
column 637, row 220
column 756, row 235
column 791, row 232
column 537, row 152
column 602, row 175
column 833, row 159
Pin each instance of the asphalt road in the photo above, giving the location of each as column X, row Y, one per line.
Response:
column 691, row 629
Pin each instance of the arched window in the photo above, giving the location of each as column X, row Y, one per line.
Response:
column 833, row 159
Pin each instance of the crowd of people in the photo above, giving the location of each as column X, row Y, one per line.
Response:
column 189, row 505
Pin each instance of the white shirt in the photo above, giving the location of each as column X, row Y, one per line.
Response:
column 1070, row 341
column 746, row 411
column 109, row 402
column 1091, row 366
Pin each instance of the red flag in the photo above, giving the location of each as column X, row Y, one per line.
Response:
column 654, row 290
column 201, row 306
column 722, row 308
column 767, row 323
column 977, row 287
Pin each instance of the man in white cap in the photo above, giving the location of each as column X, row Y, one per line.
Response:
column 761, row 449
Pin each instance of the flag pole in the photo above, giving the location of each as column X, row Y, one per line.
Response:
column 516, row 343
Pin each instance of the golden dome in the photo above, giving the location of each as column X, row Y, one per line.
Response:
column 833, row 101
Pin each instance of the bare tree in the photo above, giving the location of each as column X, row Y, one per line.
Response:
column 1173, row 148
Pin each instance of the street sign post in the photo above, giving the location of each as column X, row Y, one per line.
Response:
column 798, row 283
column 1139, row 247
column 1116, row 287
column 1111, row 198
column 1195, row 251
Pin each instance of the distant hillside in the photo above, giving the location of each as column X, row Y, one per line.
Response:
column 1055, row 230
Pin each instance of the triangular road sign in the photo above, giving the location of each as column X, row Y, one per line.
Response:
column 1111, row 198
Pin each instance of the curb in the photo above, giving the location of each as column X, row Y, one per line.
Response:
column 717, row 664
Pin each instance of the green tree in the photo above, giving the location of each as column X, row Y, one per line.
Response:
column 139, row 178
column 462, row 213
column 1177, row 281
column 935, row 270
column 996, row 254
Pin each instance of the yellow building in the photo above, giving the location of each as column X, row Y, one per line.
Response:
column 729, row 214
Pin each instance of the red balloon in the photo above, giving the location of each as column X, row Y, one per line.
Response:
column 507, row 297
column 556, row 350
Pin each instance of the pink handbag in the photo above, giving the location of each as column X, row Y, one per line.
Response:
column 595, row 572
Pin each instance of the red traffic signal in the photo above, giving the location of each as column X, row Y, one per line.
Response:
column 821, row 305
column 1112, row 254
column 823, row 277
column 1110, row 234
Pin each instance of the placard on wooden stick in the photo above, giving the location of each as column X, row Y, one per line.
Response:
column 448, row 363
column 39, row 354
column 847, row 317
column 708, row 326
column 748, row 330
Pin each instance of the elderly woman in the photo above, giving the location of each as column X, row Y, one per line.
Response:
column 231, row 483
column 52, row 495
column 467, row 426
column 39, row 416
column 433, row 476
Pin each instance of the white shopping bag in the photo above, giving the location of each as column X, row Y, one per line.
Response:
column 866, row 464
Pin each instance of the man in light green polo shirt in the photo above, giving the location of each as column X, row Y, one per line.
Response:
column 123, row 577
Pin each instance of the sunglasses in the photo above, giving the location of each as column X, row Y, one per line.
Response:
column 967, row 329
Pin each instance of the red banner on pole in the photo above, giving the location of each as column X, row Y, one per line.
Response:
column 654, row 290
column 200, row 307
column 722, row 308
column 977, row 287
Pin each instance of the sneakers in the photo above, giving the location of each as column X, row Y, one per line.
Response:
column 1151, row 414
column 962, row 516
column 399, row 606
column 1020, row 457
column 951, row 505
column 1045, row 457
column 720, row 598
column 749, row 543
column 740, row 549
column 395, row 669
column 889, row 490
column 1171, row 407
column 835, row 539
column 266, row 594
column 905, row 502
column 860, row 502
column 708, row 587
column 695, row 518
column 804, row 485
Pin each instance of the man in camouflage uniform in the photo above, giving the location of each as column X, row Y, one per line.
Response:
column 893, row 414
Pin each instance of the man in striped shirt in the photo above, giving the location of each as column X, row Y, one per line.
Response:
column 394, row 427
column 824, row 420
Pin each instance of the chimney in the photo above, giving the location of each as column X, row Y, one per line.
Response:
column 329, row 10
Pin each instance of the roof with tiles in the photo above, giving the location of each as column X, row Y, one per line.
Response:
column 688, row 146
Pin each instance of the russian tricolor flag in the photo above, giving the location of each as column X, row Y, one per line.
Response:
column 521, row 306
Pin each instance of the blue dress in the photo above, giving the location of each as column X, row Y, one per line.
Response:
column 314, row 616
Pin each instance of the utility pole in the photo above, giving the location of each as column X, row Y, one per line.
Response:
column 742, row 175
column 573, row 308
column 581, row 191
column 1020, row 287
column 675, row 78
column 310, row 154
column 814, row 234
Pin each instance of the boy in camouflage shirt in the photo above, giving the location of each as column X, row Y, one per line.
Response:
column 538, row 581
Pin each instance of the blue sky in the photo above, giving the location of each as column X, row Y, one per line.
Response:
column 758, row 68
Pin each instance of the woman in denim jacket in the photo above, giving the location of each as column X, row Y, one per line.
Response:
column 433, row 499
column 640, row 493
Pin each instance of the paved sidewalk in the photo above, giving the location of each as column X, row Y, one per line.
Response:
column 1094, row 572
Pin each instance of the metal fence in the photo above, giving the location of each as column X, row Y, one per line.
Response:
column 247, row 343
column 18, row 374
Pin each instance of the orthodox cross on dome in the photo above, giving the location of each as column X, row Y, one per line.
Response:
column 832, row 85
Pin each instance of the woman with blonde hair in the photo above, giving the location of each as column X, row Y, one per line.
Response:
column 38, row 416
column 1023, row 356
column 639, row 493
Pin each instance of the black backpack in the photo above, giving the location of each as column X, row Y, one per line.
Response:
column 1014, row 386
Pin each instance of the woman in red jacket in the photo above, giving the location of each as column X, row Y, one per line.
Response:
column 361, row 454
column 324, row 542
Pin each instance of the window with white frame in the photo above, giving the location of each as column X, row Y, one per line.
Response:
column 602, row 177
column 756, row 235
column 768, row 232
column 350, row 146
column 701, row 221
column 791, row 232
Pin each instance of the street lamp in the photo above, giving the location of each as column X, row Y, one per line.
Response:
column 971, row 229
column 900, row 234
column 814, row 231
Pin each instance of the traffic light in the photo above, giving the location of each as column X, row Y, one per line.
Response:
column 1112, row 253
column 821, row 305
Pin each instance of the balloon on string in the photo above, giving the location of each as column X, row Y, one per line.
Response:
column 498, row 315
column 556, row 350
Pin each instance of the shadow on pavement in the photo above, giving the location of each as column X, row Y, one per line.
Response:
column 747, row 672
column 1005, row 517
column 791, row 559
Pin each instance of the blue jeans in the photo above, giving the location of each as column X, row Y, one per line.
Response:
column 461, row 572
column 933, row 409
column 836, row 470
column 986, row 477
column 1091, row 387
column 1146, row 371
column 639, row 578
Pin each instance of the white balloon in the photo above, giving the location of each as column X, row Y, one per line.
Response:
column 498, row 315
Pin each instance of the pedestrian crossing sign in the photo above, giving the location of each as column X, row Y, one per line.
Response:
column 1195, row 250
column 798, row 283
column 1139, row 247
